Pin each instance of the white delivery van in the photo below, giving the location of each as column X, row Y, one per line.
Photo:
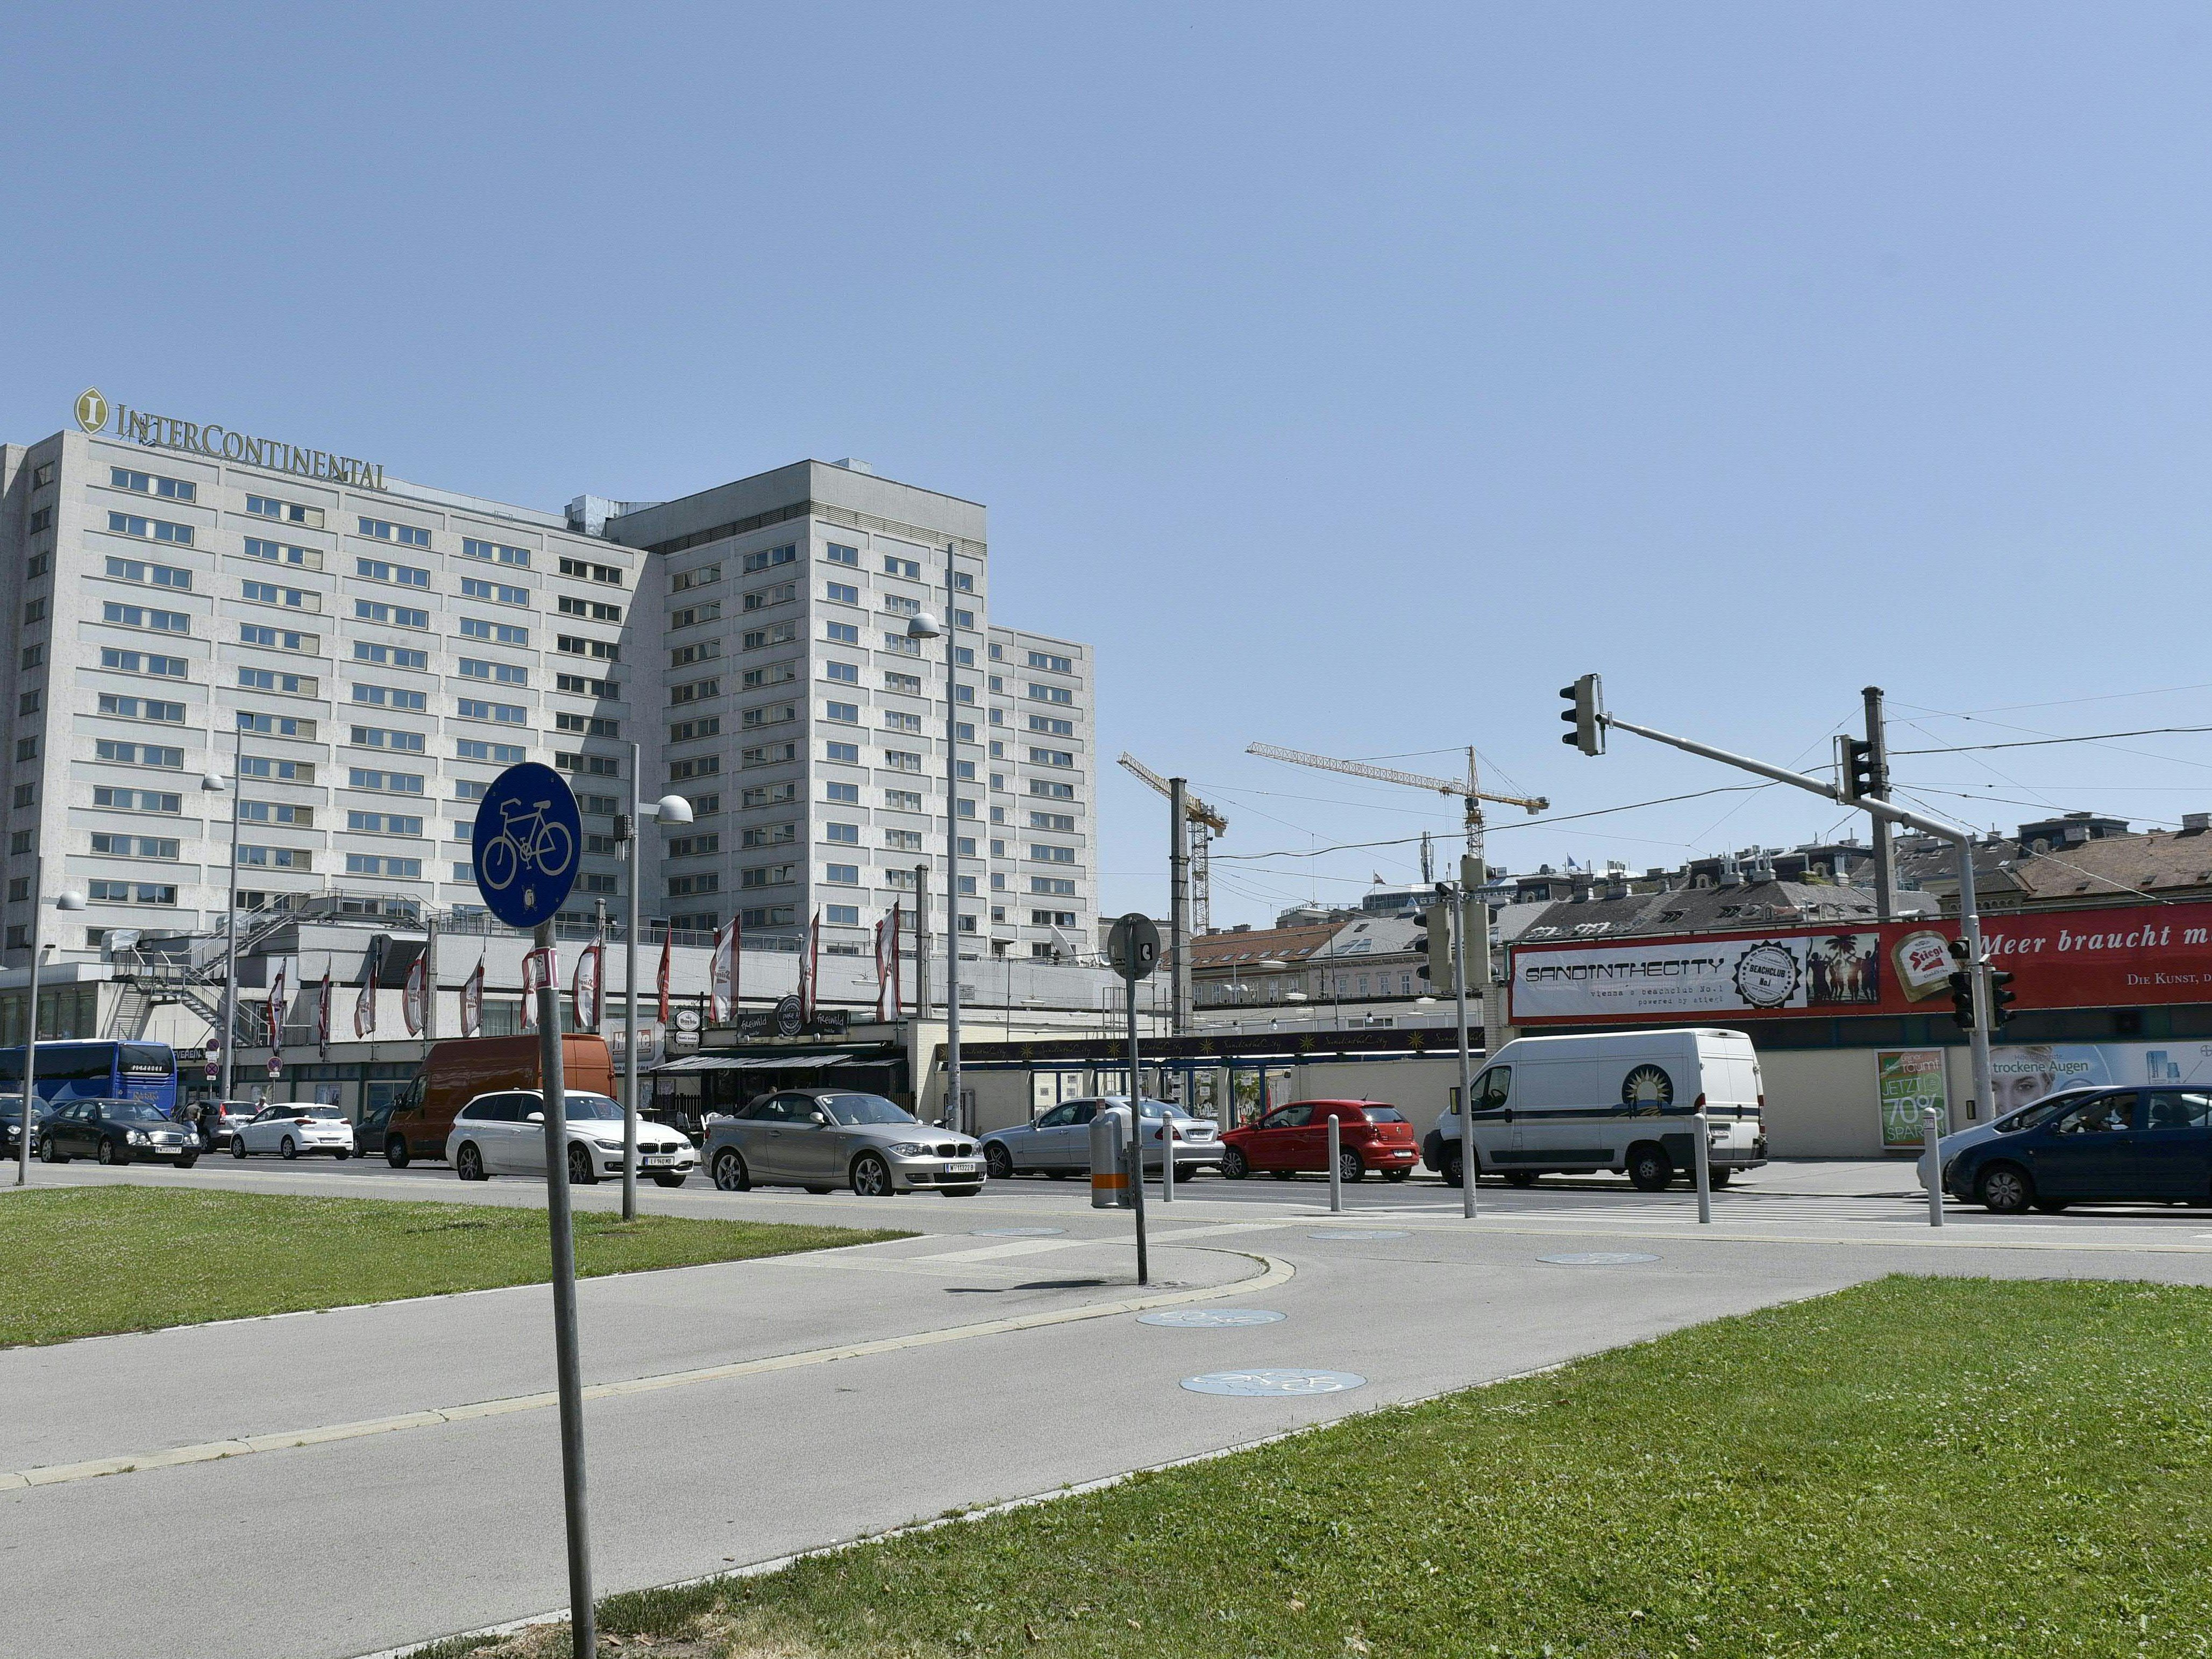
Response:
column 1573, row 1105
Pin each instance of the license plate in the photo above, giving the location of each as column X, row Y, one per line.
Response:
column 652, row 1159
column 960, row 1168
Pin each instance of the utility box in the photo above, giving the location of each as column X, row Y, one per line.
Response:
column 1110, row 1187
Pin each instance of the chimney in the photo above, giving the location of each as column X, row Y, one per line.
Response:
column 2196, row 823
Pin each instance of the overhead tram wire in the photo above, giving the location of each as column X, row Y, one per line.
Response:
column 2045, row 742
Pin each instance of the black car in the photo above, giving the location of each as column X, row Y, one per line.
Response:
column 2110, row 1145
column 116, row 1132
column 11, row 1124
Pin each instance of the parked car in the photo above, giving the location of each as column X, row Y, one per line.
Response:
column 1617, row 1101
column 2104, row 1146
column 11, row 1124
column 503, row 1132
column 836, row 1138
column 116, row 1132
column 455, row 1073
column 1293, row 1139
column 223, row 1120
column 294, row 1128
column 1058, row 1143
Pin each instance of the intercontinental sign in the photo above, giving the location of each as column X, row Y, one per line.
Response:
column 221, row 443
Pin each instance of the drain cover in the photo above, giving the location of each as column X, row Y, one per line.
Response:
column 1598, row 1259
column 1015, row 1232
column 1279, row 1384
column 1360, row 1234
column 1209, row 1319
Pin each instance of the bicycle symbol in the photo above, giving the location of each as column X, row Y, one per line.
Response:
column 527, row 839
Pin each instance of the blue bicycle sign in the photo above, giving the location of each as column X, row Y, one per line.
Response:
column 523, row 845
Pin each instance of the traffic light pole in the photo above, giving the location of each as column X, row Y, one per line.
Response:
column 1970, row 921
column 1466, row 1100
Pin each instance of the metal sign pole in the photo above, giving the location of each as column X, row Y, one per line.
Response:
column 1335, row 1165
column 1136, row 1136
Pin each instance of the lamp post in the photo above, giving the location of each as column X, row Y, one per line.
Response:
column 212, row 783
column 669, row 809
column 64, row 901
column 924, row 626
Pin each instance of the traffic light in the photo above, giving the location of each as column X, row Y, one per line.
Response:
column 1432, row 936
column 1855, row 769
column 1961, row 984
column 1586, row 713
column 2002, row 998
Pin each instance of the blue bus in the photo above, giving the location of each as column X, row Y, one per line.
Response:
column 84, row 1068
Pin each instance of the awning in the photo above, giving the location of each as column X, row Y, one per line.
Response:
column 749, row 1063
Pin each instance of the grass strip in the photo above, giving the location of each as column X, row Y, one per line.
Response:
column 94, row 1261
column 1914, row 1467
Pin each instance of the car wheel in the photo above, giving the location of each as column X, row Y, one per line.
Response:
column 960, row 1192
column 669, row 1178
column 1348, row 1166
column 1718, row 1178
column 1233, row 1166
column 1521, row 1177
column 238, row 1147
column 583, row 1170
column 111, row 1153
column 286, row 1150
column 343, row 1154
column 872, row 1176
column 49, row 1154
column 999, row 1161
column 1454, row 1171
column 1397, row 1174
column 1650, row 1169
column 730, row 1175
column 2005, row 1189
column 395, row 1151
column 468, row 1163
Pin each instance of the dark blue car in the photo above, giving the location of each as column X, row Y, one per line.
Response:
column 2113, row 1145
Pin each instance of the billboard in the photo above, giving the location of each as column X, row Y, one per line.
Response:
column 2022, row 1072
column 2108, row 958
column 1908, row 1081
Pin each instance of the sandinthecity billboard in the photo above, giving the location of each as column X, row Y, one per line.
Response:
column 2115, row 957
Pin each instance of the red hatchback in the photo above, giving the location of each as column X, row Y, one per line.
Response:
column 1293, row 1139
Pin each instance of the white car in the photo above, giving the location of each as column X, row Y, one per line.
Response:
column 504, row 1133
column 293, row 1128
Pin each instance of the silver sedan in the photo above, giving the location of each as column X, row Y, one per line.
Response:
column 1058, row 1143
column 825, row 1138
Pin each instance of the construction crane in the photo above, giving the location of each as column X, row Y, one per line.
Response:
column 1206, row 825
column 1469, row 791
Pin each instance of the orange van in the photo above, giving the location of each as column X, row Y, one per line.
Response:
column 454, row 1073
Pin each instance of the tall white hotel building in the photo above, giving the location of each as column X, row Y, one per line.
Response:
column 374, row 652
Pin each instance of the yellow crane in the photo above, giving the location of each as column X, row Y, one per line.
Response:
column 1470, row 791
column 1205, row 825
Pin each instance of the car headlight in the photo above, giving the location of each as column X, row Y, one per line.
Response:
column 140, row 1138
column 909, row 1149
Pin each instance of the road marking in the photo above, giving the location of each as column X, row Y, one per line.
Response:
column 1277, row 1272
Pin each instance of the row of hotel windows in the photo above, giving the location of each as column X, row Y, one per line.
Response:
column 388, row 656
column 399, row 576
column 158, row 621
column 845, row 875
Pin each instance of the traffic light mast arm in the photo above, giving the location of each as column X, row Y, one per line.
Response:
column 1970, row 921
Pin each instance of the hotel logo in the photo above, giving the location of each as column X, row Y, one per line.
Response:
column 91, row 408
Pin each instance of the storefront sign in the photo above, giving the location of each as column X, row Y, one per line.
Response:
column 1909, row 1082
column 2115, row 957
column 221, row 444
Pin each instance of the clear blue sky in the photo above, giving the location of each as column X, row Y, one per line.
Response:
column 1351, row 377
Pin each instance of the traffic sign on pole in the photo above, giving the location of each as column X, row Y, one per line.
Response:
column 1132, row 945
column 524, row 846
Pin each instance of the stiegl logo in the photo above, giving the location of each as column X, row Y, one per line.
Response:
column 91, row 408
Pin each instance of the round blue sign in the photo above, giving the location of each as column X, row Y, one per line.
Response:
column 524, row 844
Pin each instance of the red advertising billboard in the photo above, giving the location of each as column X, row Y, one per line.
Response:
column 2116, row 957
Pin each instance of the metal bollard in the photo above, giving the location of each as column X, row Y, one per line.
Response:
column 1336, row 1166
column 1702, row 1155
column 1932, row 1137
column 1167, row 1156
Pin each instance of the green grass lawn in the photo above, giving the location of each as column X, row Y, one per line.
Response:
column 90, row 1261
column 1916, row 1466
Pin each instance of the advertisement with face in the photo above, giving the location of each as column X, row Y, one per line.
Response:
column 2025, row 1074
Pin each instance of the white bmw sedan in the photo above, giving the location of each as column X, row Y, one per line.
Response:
column 504, row 1133
column 292, row 1129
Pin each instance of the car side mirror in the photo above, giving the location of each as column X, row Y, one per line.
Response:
column 820, row 1117
column 537, row 1117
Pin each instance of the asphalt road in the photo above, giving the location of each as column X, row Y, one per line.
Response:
column 274, row 1506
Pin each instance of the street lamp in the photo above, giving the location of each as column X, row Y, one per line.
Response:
column 669, row 809
column 923, row 626
column 212, row 783
column 65, row 900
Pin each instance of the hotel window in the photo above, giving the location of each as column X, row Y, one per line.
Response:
column 384, row 824
column 965, row 582
column 268, row 506
column 395, row 616
column 405, row 534
column 137, row 801
column 902, row 800
column 501, row 673
column 692, row 691
column 582, row 685
column 781, row 593
column 907, row 568
column 774, row 713
column 393, row 696
column 687, row 731
column 693, row 846
column 846, row 834
column 907, row 684
column 590, row 572
column 595, row 609
column 276, row 726
column 392, row 656
column 685, row 580
column 900, row 644
column 388, row 783
column 964, row 619
column 598, row 766
column 279, row 639
column 841, row 633
column 152, row 484
column 1055, row 665
column 406, row 576
column 292, row 599
column 841, row 875
column 903, row 841
column 277, row 771
column 1052, row 791
column 838, row 553
column 479, row 628
column 138, row 753
column 503, row 713
column 378, row 737
column 1051, row 758
column 770, row 794
column 896, row 721
column 769, row 875
column 603, row 650
column 474, row 587
column 692, row 615
column 1059, row 694
column 1053, row 886
column 899, row 605
column 769, row 915
column 780, row 633
column 132, row 616
column 841, row 592
column 769, row 558
column 587, row 725
column 497, row 552
column 845, row 714
column 131, row 892
column 848, row 672
column 767, row 754
column 272, row 679
column 704, row 651
column 774, row 673
column 282, row 553
column 698, row 766
column 151, row 530
column 380, row 864
column 847, row 752
column 901, row 760
column 500, row 754
column 844, row 794
column 1063, row 822
column 1040, row 853
column 1052, row 728
column 841, row 916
